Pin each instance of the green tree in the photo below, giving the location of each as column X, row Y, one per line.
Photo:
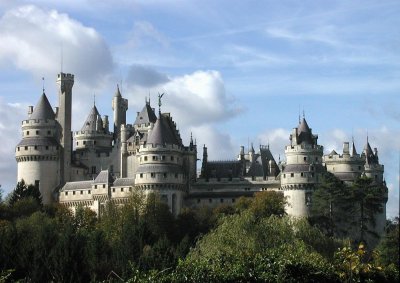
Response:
column 267, row 203
column 331, row 205
column 22, row 191
column 368, row 199
column 388, row 248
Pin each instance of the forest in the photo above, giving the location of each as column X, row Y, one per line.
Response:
column 250, row 241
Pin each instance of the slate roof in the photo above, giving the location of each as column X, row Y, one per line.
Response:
column 223, row 169
column 370, row 157
column 43, row 110
column 298, row 168
column 118, row 93
column 304, row 132
column 146, row 115
column 120, row 182
column 39, row 141
column 81, row 185
column 92, row 120
column 162, row 133
column 353, row 151
column 104, row 177
column 256, row 169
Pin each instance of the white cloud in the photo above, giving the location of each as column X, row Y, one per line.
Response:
column 10, row 133
column 219, row 144
column 32, row 40
column 277, row 140
column 193, row 99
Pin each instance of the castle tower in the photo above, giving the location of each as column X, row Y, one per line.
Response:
column 38, row 152
column 65, row 83
column 145, row 119
column 160, row 166
column 119, row 106
column 372, row 168
column 347, row 166
column 302, row 169
column 94, row 143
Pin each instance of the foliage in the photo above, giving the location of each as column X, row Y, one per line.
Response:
column 347, row 211
column 330, row 206
column 368, row 199
column 357, row 265
column 246, row 248
column 387, row 252
column 141, row 241
column 22, row 191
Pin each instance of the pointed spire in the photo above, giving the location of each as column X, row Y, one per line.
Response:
column 353, row 148
column 43, row 110
column 94, row 99
column 43, row 83
column 252, row 148
column 117, row 92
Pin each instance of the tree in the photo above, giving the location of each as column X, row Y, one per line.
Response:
column 368, row 199
column 388, row 248
column 330, row 205
column 267, row 203
column 22, row 191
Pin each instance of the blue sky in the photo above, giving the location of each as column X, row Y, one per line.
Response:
column 233, row 72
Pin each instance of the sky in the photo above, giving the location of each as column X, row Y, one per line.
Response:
column 233, row 72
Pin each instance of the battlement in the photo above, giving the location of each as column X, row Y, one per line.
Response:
column 341, row 158
column 65, row 76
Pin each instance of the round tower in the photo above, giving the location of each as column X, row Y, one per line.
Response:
column 160, row 166
column 302, row 169
column 93, row 143
column 38, row 153
column 347, row 166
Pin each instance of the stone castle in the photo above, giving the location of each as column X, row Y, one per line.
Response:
column 93, row 166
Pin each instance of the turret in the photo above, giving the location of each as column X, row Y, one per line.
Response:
column 38, row 152
column 251, row 154
column 119, row 106
column 372, row 168
column 347, row 166
column 94, row 132
column 302, row 170
column 161, row 164
column 65, row 83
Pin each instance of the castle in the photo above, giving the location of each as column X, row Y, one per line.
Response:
column 93, row 166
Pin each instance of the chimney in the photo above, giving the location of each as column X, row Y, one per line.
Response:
column 30, row 110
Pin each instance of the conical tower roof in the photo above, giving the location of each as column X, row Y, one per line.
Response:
column 146, row 116
column 303, row 127
column 43, row 110
column 353, row 149
column 304, row 132
column 161, row 133
column 118, row 93
column 92, row 121
column 369, row 154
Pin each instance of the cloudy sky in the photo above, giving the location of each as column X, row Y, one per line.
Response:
column 234, row 72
